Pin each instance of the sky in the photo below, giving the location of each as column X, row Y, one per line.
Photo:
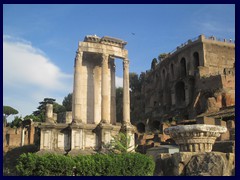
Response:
column 40, row 41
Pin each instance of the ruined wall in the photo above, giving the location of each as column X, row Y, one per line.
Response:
column 13, row 137
column 218, row 55
column 196, row 77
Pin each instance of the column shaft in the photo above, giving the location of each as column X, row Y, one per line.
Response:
column 105, row 89
column 126, row 95
column 76, row 101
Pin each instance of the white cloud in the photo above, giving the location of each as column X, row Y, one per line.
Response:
column 24, row 64
column 119, row 81
column 29, row 76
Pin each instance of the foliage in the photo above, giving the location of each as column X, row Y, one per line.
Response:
column 8, row 110
column 120, row 144
column 40, row 113
column 161, row 56
column 67, row 102
column 17, row 122
column 119, row 104
column 34, row 118
column 126, row 164
column 10, row 158
column 134, row 82
column 154, row 63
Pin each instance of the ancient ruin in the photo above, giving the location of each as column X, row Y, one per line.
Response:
column 193, row 84
column 92, row 122
column 26, row 134
column 195, row 138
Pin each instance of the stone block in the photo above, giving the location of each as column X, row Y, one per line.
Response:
column 195, row 164
column 206, row 120
column 230, row 124
column 220, row 122
column 149, row 136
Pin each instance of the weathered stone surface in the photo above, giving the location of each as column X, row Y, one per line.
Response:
column 195, row 164
column 92, row 122
column 210, row 164
column 195, row 138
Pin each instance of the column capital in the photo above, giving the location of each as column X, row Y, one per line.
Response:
column 79, row 55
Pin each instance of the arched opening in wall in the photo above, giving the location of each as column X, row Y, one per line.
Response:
column 163, row 77
column 196, row 60
column 155, row 126
column 172, row 70
column 180, row 93
column 183, row 67
column 141, row 128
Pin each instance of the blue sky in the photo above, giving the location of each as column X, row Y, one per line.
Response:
column 40, row 41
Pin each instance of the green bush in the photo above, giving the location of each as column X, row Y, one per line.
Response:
column 126, row 164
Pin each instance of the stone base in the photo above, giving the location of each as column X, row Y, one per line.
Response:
column 129, row 129
column 55, row 151
column 81, row 152
column 195, row 164
column 155, row 151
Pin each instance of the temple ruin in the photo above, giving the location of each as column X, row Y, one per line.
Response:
column 92, row 122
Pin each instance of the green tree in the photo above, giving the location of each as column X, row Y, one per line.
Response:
column 120, row 144
column 34, row 118
column 67, row 102
column 154, row 63
column 17, row 122
column 134, row 82
column 161, row 56
column 40, row 113
column 7, row 111
column 119, row 104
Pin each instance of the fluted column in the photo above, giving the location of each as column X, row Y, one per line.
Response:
column 76, row 103
column 126, row 96
column 105, row 89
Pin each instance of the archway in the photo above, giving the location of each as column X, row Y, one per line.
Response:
column 183, row 67
column 172, row 70
column 141, row 128
column 196, row 60
column 180, row 93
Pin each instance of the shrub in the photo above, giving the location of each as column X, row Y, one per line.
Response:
column 125, row 164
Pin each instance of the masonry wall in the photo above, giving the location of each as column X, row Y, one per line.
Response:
column 197, row 76
column 218, row 55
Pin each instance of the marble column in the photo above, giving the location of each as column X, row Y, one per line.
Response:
column 105, row 116
column 126, row 95
column 49, row 113
column 113, row 93
column 76, row 100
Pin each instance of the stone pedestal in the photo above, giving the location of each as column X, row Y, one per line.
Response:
column 195, row 138
column 55, row 137
column 128, row 129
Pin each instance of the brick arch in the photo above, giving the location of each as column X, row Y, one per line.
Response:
column 141, row 127
column 180, row 93
column 183, row 67
column 172, row 72
column 196, row 62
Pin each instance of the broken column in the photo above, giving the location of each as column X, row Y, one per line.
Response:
column 195, row 138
